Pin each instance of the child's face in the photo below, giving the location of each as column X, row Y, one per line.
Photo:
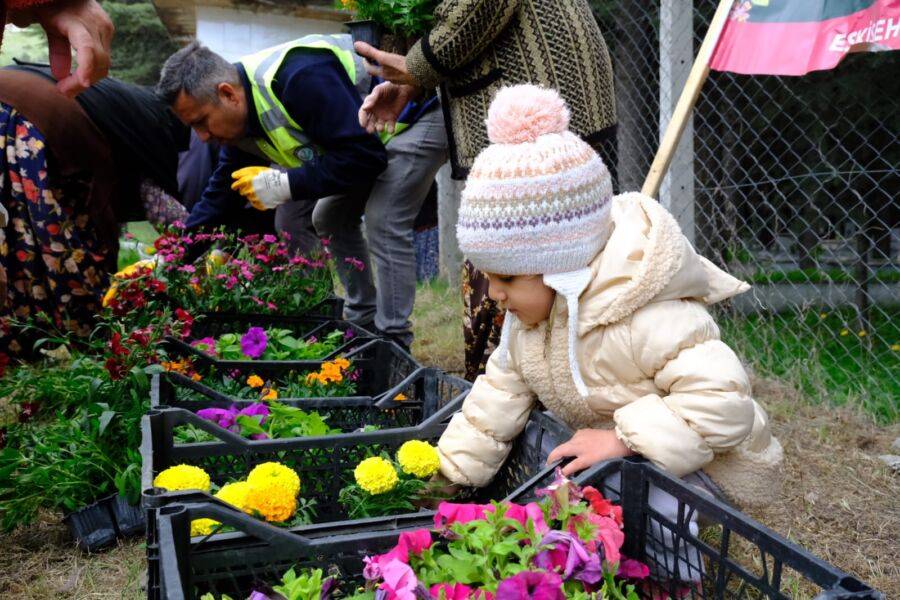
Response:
column 526, row 296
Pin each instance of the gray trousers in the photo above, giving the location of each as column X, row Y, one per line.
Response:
column 389, row 211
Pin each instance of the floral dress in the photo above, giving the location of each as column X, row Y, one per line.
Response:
column 482, row 321
column 53, row 259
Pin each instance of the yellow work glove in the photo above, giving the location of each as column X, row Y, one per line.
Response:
column 265, row 188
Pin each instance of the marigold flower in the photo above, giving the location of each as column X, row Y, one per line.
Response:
column 419, row 458
column 203, row 526
column 183, row 477
column 277, row 474
column 269, row 394
column 272, row 502
column 401, row 397
column 343, row 363
column 255, row 381
column 376, row 475
column 235, row 494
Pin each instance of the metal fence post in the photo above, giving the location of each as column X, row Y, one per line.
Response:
column 449, row 192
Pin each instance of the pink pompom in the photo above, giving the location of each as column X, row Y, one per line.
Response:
column 523, row 113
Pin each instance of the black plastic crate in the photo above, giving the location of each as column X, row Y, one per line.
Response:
column 333, row 458
column 323, row 463
column 380, row 364
column 302, row 327
column 741, row 559
column 424, row 393
column 330, row 309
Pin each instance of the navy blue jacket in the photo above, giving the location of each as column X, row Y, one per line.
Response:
column 319, row 96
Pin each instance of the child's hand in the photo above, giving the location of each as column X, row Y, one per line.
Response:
column 589, row 446
column 439, row 489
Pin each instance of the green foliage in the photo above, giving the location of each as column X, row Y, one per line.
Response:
column 142, row 43
column 821, row 276
column 360, row 504
column 281, row 345
column 286, row 422
column 128, row 256
column 407, row 17
column 306, row 586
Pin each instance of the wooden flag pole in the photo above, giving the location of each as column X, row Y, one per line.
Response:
column 693, row 86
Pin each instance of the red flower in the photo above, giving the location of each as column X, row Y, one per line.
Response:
column 28, row 410
column 140, row 336
column 115, row 368
column 187, row 321
column 601, row 505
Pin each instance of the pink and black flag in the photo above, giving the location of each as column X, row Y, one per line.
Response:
column 794, row 37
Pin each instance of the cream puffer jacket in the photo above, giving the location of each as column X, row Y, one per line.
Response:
column 651, row 356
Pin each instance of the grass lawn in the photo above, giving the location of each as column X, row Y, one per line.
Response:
column 827, row 356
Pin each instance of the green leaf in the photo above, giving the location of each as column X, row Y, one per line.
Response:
column 105, row 419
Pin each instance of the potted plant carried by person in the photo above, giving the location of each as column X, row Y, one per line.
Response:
column 392, row 25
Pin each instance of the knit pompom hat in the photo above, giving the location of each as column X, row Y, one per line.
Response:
column 536, row 202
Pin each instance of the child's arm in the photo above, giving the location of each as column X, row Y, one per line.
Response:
column 479, row 437
column 706, row 406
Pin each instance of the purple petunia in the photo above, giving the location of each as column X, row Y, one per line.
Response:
column 254, row 342
column 565, row 554
column 529, row 585
column 226, row 418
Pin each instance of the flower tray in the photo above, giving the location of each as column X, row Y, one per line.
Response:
column 408, row 404
column 97, row 526
column 330, row 309
column 325, row 464
column 379, row 363
column 740, row 557
column 300, row 327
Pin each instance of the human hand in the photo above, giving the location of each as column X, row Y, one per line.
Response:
column 264, row 187
column 439, row 489
column 382, row 107
column 390, row 67
column 587, row 447
column 84, row 26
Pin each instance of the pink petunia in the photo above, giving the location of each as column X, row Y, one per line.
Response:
column 449, row 513
column 521, row 514
column 633, row 569
column 399, row 581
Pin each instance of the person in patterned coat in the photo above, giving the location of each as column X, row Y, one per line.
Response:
column 474, row 48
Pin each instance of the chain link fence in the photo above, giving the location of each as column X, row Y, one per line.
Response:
column 789, row 183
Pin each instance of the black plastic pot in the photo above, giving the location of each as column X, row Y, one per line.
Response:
column 97, row 526
column 93, row 526
column 367, row 31
column 131, row 521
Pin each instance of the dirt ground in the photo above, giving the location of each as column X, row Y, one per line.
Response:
column 839, row 501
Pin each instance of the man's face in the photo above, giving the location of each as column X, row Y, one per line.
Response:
column 223, row 121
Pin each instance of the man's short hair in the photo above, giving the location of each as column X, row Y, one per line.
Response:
column 197, row 71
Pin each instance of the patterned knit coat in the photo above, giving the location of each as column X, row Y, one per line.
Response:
column 478, row 46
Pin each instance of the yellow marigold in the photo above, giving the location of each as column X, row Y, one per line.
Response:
column 183, row 477
column 182, row 366
column 419, row 459
column 196, row 377
column 255, row 381
column 343, row 363
column 376, row 475
column 277, row 474
column 273, row 503
column 401, row 397
column 235, row 494
column 110, row 294
column 269, row 394
column 203, row 526
column 312, row 378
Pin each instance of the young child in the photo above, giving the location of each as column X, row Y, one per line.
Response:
column 606, row 318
